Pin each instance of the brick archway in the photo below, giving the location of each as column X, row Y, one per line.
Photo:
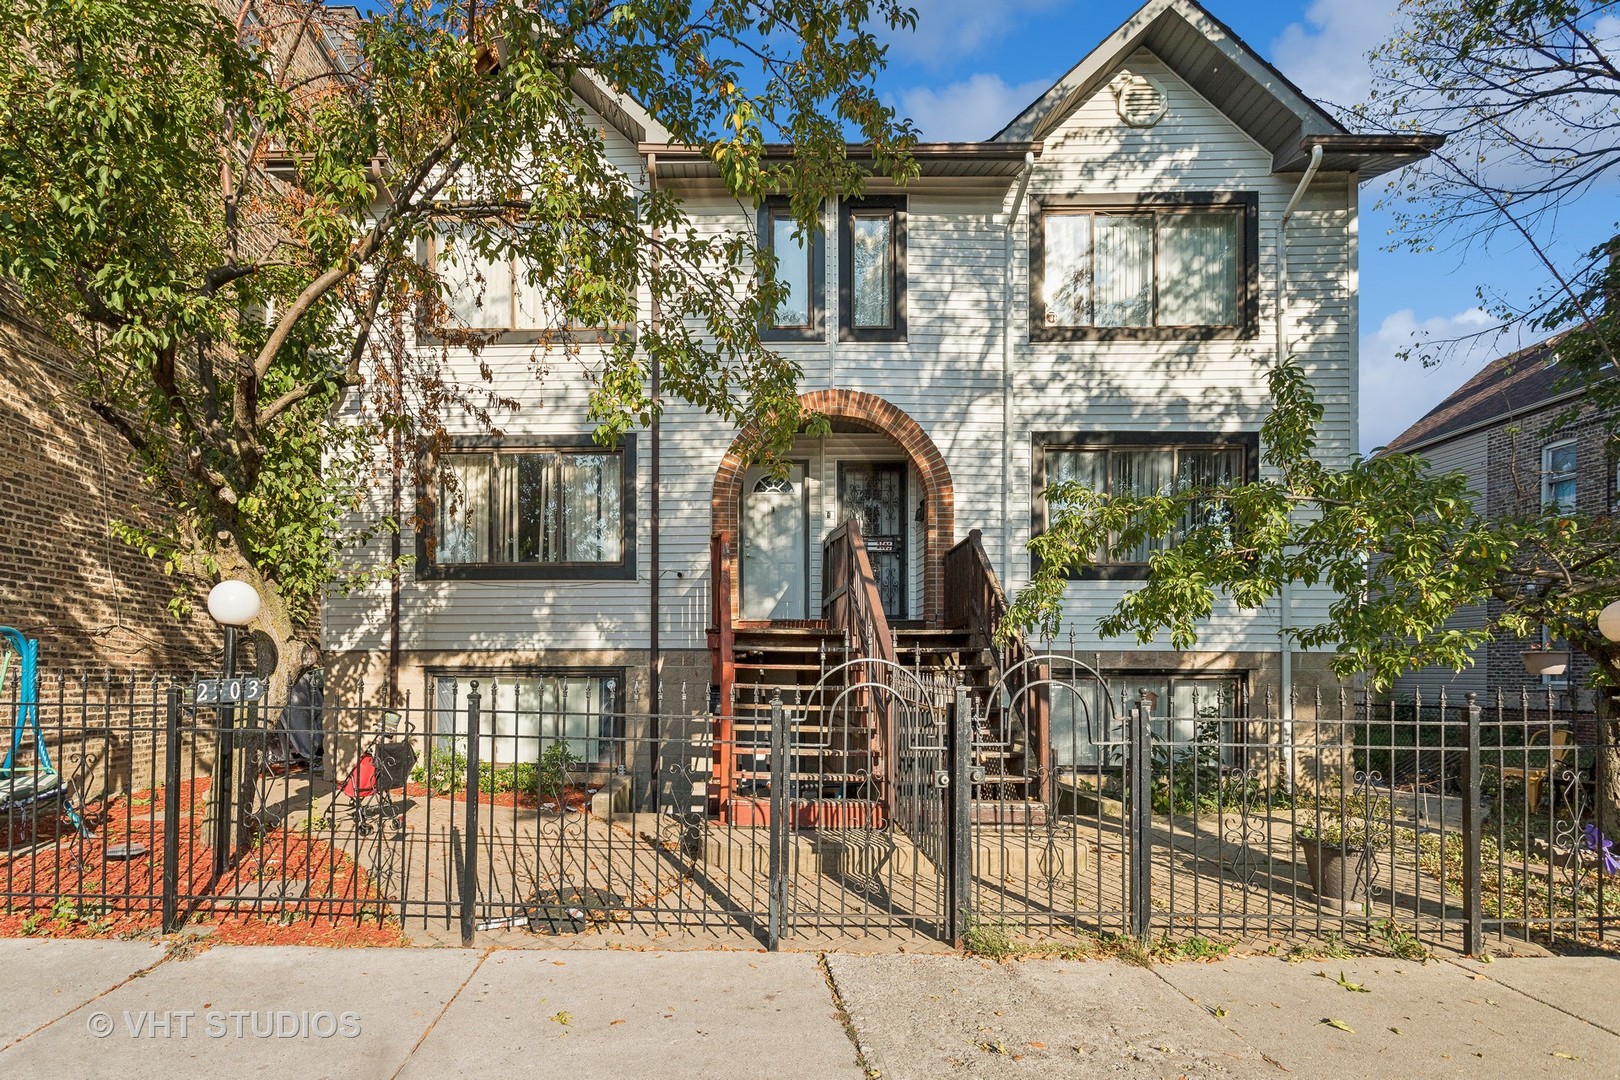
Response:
column 874, row 414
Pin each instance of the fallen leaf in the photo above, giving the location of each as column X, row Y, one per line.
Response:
column 1340, row 1024
column 563, row 1018
column 1037, row 1046
column 1354, row 988
column 1566, row 1057
column 1220, row 1010
column 1397, row 1031
column 614, row 1023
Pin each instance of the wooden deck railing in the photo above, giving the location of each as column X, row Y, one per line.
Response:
column 723, row 651
column 852, row 604
column 975, row 602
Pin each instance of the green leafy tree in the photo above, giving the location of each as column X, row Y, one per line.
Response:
column 226, row 208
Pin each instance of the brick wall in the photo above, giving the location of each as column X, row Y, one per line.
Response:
column 91, row 601
column 1514, row 456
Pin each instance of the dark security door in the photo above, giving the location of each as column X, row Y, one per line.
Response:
column 874, row 495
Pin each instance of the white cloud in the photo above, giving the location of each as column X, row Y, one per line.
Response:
column 1326, row 54
column 948, row 30
column 1396, row 392
column 975, row 108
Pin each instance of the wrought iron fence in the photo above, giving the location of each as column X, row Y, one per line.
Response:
column 1454, row 822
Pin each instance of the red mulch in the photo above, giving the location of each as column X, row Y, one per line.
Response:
column 68, row 888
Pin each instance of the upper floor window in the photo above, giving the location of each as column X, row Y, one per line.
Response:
column 1142, row 267
column 872, row 269
column 800, row 269
column 1558, row 476
column 1126, row 464
column 536, row 511
column 502, row 295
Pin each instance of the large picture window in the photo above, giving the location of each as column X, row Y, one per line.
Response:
column 501, row 295
column 1126, row 464
column 800, row 268
column 538, row 511
column 1142, row 268
column 522, row 714
column 872, row 269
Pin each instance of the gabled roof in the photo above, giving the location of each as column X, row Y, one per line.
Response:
column 1518, row 383
column 1210, row 58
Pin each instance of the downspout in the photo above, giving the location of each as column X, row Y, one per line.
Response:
column 1284, row 593
column 1007, row 292
column 654, row 655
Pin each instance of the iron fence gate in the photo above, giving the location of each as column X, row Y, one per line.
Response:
column 901, row 807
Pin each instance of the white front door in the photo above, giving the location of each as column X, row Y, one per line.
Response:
column 774, row 556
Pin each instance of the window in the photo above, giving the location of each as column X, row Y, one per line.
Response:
column 522, row 714
column 500, row 295
column 1142, row 464
column 1089, row 730
column 801, row 267
column 533, row 512
column 1143, row 267
column 1558, row 476
column 872, row 269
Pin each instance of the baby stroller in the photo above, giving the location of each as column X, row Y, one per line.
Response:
column 382, row 770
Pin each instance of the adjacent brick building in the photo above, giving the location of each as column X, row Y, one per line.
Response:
column 93, row 602
column 1525, row 440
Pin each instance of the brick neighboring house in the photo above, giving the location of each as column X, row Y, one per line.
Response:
column 65, row 476
column 1510, row 429
column 93, row 602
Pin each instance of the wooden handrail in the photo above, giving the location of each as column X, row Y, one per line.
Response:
column 976, row 602
column 851, row 603
column 723, row 654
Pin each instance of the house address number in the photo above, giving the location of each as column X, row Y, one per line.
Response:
column 242, row 691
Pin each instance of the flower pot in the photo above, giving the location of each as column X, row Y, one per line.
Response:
column 1338, row 874
column 1546, row 661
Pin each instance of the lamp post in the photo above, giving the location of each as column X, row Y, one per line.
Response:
column 233, row 604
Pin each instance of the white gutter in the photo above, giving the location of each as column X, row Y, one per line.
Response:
column 1284, row 593
column 1007, row 294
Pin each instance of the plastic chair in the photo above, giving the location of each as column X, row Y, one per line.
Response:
column 1560, row 746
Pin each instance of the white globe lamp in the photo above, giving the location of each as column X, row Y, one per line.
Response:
column 233, row 603
column 1609, row 621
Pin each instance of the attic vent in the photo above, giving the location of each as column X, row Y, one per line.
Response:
column 1139, row 99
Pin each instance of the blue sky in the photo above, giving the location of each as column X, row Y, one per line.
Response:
column 971, row 65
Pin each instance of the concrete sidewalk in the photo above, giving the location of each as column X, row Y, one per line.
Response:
column 123, row 1009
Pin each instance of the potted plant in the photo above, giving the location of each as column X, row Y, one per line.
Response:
column 1340, row 847
column 1540, row 658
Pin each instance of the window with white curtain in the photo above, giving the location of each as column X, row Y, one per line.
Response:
column 1150, row 470
column 1164, row 267
column 1088, row 718
column 502, row 293
column 546, row 506
column 522, row 714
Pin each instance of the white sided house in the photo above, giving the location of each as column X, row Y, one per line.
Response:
column 1096, row 292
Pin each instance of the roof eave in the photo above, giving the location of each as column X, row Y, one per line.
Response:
column 1368, row 155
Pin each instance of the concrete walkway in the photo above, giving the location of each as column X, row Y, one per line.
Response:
column 122, row 1009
